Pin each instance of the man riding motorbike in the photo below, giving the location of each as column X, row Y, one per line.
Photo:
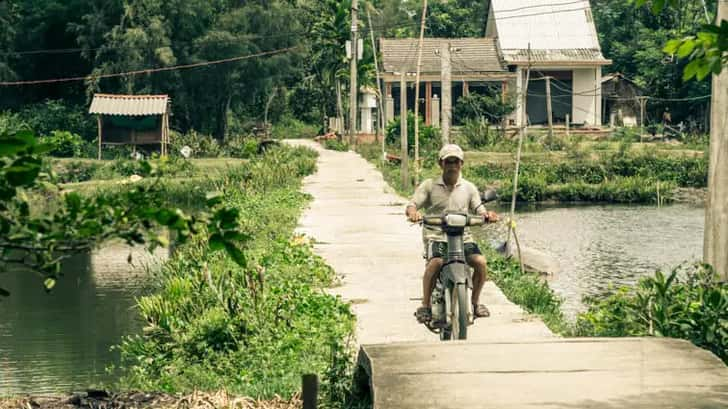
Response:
column 449, row 193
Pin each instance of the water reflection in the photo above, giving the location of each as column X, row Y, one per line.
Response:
column 600, row 247
column 60, row 341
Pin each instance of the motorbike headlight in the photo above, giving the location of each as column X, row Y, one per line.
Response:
column 456, row 220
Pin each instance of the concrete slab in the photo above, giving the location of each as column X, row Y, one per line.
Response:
column 358, row 222
column 560, row 373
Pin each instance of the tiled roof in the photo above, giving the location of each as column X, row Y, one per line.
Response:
column 129, row 105
column 470, row 55
column 566, row 56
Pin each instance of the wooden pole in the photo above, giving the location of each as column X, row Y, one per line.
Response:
column 567, row 124
column 100, row 133
column 522, row 136
column 643, row 103
column 339, row 109
column 403, row 130
column 380, row 100
column 549, row 113
column 446, row 91
column 353, row 85
column 417, row 92
column 309, row 391
column 715, row 247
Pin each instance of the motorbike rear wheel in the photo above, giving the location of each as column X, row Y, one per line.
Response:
column 460, row 312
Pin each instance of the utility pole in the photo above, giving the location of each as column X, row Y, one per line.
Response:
column 417, row 93
column 549, row 113
column 353, row 90
column 446, row 91
column 643, row 105
column 715, row 246
column 380, row 109
column 403, row 129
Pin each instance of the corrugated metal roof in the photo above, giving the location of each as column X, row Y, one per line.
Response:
column 556, row 56
column 473, row 55
column 563, row 29
column 129, row 105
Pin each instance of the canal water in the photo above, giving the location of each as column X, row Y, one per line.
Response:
column 602, row 247
column 60, row 341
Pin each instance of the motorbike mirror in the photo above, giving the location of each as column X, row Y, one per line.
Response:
column 488, row 195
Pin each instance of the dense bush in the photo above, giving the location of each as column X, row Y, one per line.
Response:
column 289, row 127
column 45, row 117
column 690, row 304
column 429, row 138
column 203, row 146
column 64, row 144
column 251, row 330
column 336, row 145
column 240, row 147
column 73, row 171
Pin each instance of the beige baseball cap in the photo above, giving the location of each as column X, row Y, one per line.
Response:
column 451, row 150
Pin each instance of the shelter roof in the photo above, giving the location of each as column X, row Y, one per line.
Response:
column 129, row 105
column 471, row 55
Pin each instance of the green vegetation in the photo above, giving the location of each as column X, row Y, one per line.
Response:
column 578, row 174
column 336, row 145
column 429, row 137
column 254, row 328
column 690, row 303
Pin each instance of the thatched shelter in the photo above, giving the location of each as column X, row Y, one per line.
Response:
column 132, row 120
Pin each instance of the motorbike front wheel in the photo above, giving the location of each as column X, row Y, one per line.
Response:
column 460, row 311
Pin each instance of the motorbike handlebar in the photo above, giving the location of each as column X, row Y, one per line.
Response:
column 440, row 220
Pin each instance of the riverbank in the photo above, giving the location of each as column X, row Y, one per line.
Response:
column 213, row 325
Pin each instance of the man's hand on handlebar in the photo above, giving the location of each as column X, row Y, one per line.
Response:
column 491, row 216
column 414, row 216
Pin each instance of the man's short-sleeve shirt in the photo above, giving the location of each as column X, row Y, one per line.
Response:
column 434, row 197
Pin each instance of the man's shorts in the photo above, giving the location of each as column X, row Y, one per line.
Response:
column 439, row 249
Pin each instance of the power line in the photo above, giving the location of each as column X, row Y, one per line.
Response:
column 149, row 70
column 540, row 5
column 542, row 14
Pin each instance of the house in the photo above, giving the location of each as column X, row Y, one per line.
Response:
column 135, row 120
column 558, row 40
column 475, row 66
column 620, row 100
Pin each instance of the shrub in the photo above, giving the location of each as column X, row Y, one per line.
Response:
column 64, row 144
column 203, row 146
column 289, row 127
column 429, row 137
column 478, row 134
column 240, row 147
column 688, row 303
column 74, row 171
column 45, row 117
column 336, row 145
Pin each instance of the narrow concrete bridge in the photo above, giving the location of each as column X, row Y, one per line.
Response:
column 511, row 359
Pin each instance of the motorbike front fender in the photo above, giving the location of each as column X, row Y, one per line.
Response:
column 456, row 273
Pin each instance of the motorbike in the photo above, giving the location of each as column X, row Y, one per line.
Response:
column 451, row 310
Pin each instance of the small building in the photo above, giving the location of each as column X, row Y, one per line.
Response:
column 137, row 120
column 620, row 99
column 475, row 66
column 559, row 41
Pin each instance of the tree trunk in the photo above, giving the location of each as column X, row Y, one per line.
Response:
column 715, row 249
column 222, row 122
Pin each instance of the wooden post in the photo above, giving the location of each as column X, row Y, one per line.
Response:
column 403, row 130
column 715, row 247
column 549, row 113
column 353, row 84
column 428, row 103
column 567, row 124
column 417, row 92
column 466, row 88
column 380, row 100
column 643, row 104
column 446, row 91
column 309, row 391
column 99, row 122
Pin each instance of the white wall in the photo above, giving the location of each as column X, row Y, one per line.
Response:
column 587, row 100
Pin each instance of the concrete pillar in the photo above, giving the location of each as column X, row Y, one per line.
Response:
column 519, row 97
column 366, row 119
column 428, row 103
column 715, row 247
column 389, row 109
column 435, row 111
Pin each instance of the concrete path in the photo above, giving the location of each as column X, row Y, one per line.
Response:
column 359, row 224
column 510, row 360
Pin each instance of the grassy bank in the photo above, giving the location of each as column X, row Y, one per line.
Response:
column 579, row 175
column 213, row 325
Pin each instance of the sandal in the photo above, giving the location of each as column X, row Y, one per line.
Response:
column 423, row 315
column 480, row 311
